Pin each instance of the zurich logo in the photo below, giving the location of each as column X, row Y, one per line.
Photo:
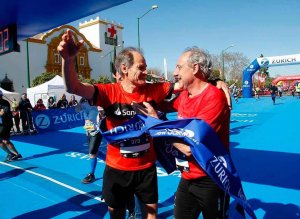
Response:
column 222, row 160
column 264, row 62
column 246, row 82
column 251, row 66
column 42, row 121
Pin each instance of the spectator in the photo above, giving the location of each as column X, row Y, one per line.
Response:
column 63, row 102
column 39, row 105
column 73, row 101
column 51, row 103
column 256, row 92
column 292, row 90
column 298, row 89
column 280, row 90
column 25, row 109
column 16, row 115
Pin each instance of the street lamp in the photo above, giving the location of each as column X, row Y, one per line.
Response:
column 223, row 73
column 27, row 62
column 138, row 19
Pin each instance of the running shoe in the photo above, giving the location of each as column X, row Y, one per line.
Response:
column 131, row 215
column 8, row 158
column 89, row 178
column 16, row 157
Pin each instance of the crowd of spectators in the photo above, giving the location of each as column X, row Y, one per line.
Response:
column 21, row 111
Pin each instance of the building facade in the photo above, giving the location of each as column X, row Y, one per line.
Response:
column 38, row 54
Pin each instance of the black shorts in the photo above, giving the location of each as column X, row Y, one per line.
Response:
column 200, row 196
column 5, row 132
column 94, row 143
column 119, row 186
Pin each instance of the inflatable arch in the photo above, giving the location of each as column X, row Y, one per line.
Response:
column 286, row 78
column 265, row 62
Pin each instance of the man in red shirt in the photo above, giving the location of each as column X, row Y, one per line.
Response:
column 130, row 167
column 197, row 192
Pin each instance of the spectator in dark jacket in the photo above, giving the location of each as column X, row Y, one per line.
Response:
column 51, row 103
column 73, row 101
column 63, row 102
column 25, row 108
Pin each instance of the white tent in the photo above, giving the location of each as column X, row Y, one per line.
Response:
column 10, row 96
column 55, row 88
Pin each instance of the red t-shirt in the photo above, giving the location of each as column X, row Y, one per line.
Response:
column 210, row 106
column 117, row 105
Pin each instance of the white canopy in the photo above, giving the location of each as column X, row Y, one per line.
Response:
column 10, row 96
column 55, row 88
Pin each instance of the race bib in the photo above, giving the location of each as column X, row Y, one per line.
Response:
column 135, row 147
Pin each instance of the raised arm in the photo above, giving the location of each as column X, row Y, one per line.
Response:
column 68, row 51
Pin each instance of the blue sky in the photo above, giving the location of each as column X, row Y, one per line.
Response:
column 269, row 27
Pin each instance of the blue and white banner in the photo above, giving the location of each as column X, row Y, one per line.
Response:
column 266, row 62
column 57, row 119
column 206, row 147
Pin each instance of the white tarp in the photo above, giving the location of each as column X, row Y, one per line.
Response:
column 10, row 96
column 55, row 88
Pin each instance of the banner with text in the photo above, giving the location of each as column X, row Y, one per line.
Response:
column 57, row 119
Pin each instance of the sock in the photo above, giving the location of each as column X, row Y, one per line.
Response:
column 93, row 163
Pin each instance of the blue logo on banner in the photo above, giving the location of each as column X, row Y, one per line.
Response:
column 42, row 121
column 264, row 62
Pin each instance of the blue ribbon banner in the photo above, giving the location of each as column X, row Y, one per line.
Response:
column 206, row 147
column 57, row 119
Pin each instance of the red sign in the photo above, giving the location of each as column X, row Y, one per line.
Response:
column 112, row 31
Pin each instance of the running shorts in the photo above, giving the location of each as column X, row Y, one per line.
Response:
column 119, row 186
column 94, row 142
column 200, row 195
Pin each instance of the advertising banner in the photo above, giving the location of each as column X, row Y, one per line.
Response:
column 57, row 119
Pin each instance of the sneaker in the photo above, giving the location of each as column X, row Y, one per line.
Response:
column 131, row 215
column 16, row 157
column 89, row 179
column 34, row 131
column 9, row 158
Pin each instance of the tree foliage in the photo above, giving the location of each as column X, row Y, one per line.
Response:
column 234, row 64
column 44, row 77
column 103, row 80
column 47, row 76
column 154, row 75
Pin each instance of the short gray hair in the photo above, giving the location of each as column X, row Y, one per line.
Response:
column 125, row 57
column 201, row 57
